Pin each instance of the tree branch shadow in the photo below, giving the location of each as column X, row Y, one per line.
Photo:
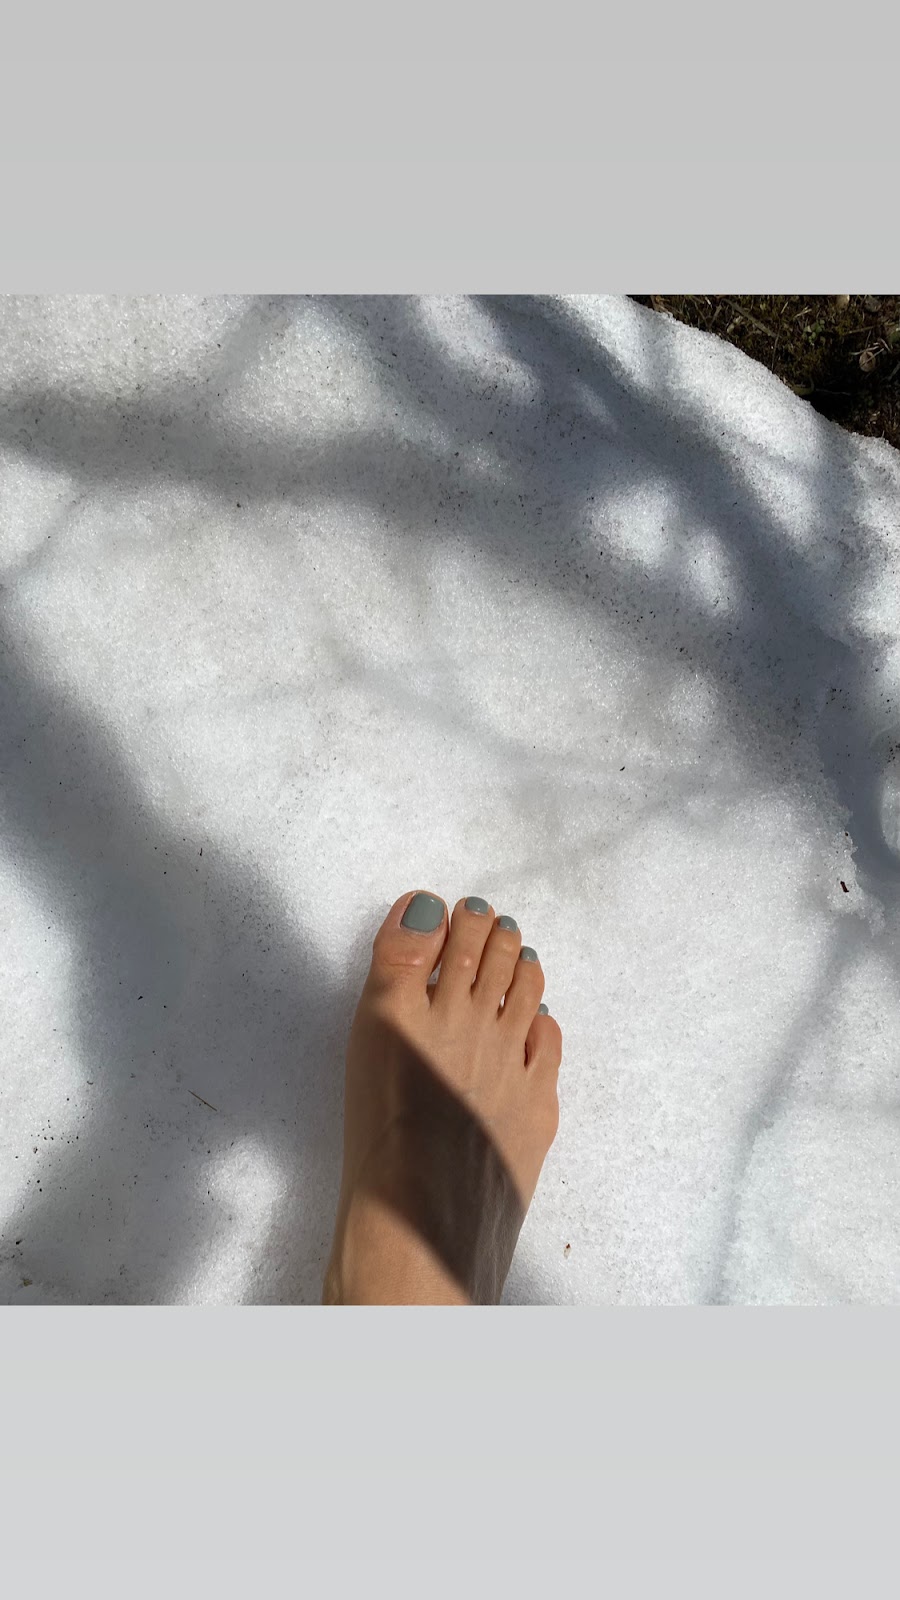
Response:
column 203, row 936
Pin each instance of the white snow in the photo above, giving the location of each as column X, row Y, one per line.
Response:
column 553, row 601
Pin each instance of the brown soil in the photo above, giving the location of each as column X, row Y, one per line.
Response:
column 844, row 358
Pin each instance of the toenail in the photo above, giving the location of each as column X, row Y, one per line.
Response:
column 543, row 1011
column 424, row 914
column 527, row 954
column 475, row 904
column 508, row 923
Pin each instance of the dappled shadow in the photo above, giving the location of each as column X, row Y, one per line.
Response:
column 190, row 995
column 248, row 1000
column 770, row 664
column 195, row 996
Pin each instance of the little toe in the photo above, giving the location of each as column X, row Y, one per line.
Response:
column 543, row 1045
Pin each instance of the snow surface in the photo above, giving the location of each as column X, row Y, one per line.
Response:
column 309, row 601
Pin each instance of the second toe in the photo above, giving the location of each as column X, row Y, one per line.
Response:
column 470, row 929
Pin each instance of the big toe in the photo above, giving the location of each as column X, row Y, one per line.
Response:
column 411, row 937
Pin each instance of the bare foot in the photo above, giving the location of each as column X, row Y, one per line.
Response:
column 450, row 1108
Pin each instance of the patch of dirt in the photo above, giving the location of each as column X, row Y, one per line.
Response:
column 840, row 352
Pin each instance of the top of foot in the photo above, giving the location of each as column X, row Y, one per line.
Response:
column 450, row 1105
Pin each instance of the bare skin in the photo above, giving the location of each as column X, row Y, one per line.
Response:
column 450, row 1107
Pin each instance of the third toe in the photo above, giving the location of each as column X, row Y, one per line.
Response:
column 498, row 962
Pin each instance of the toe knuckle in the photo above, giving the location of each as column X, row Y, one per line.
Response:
column 465, row 961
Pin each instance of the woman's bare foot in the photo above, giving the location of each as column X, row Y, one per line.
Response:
column 450, row 1108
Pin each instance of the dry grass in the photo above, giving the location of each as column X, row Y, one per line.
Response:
column 841, row 352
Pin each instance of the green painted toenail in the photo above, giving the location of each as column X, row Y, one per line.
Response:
column 527, row 954
column 424, row 914
column 508, row 923
column 475, row 904
column 543, row 1011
